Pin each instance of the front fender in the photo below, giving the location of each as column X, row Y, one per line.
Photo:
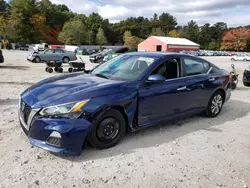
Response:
column 125, row 100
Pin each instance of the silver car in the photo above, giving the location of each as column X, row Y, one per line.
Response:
column 52, row 55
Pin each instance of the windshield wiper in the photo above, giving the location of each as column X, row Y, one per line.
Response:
column 102, row 76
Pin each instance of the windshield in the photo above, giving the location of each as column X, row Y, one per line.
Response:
column 124, row 67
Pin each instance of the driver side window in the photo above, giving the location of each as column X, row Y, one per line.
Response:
column 168, row 69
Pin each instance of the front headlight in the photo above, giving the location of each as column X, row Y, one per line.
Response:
column 68, row 110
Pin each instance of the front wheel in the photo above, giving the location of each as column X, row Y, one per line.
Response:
column 65, row 59
column 215, row 104
column 109, row 130
column 232, row 59
column 37, row 59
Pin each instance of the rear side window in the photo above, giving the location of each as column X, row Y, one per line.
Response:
column 195, row 67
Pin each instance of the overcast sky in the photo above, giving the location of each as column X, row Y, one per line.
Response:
column 233, row 12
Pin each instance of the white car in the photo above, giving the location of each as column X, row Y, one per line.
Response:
column 240, row 58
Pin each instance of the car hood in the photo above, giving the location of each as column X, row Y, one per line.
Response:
column 69, row 88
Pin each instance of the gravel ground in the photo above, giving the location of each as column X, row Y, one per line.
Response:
column 195, row 152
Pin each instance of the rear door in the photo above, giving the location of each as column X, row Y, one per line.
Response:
column 200, row 81
column 58, row 54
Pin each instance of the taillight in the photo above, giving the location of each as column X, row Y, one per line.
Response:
column 230, row 76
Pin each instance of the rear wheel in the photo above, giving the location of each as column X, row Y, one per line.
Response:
column 233, row 59
column 215, row 104
column 109, row 130
column 244, row 59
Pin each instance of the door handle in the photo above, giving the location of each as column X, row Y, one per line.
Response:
column 182, row 88
column 211, row 79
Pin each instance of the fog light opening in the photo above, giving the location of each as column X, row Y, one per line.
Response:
column 55, row 134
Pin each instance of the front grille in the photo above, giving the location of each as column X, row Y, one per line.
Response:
column 54, row 141
column 25, row 110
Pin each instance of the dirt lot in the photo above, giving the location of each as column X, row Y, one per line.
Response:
column 195, row 152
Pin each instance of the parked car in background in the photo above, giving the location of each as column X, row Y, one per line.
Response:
column 98, row 58
column 1, row 57
column 21, row 46
column 246, row 77
column 240, row 57
column 52, row 55
column 41, row 47
column 132, row 91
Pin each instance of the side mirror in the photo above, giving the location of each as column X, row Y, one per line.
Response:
column 156, row 79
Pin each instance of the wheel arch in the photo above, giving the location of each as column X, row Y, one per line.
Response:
column 119, row 108
column 66, row 57
column 222, row 91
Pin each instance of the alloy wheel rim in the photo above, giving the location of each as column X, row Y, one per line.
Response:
column 216, row 104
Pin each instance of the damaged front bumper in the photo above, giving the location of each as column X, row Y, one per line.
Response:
column 62, row 136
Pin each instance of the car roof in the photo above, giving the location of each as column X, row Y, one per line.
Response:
column 157, row 54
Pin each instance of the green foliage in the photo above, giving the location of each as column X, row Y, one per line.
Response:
column 21, row 12
column 131, row 41
column 73, row 32
column 167, row 22
column 174, row 33
column 100, row 37
column 157, row 32
column 192, row 31
column 93, row 23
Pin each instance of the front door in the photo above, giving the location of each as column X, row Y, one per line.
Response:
column 161, row 101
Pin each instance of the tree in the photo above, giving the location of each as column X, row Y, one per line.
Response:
column 192, row 31
column 3, row 24
column 157, row 32
column 217, row 31
column 100, row 37
column 45, row 32
column 21, row 12
column 205, row 36
column 4, row 8
column 73, row 32
column 236, row 39
column 130, row 41
column 93, row 23
column 174, row 33
column 167, row 22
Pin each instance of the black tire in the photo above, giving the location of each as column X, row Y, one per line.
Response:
column 233, row 59
column 233, row 85
column 109, row 130
column 215, row 104
column 244, row 59
column 60, row 69
column 70, row 69
column 46, row 69
column 37, row 59
column 65, row 59
column 246, row 84
column 49, row 70
column 56, row 69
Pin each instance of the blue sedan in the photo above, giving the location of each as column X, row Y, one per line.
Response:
column 132, row 91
